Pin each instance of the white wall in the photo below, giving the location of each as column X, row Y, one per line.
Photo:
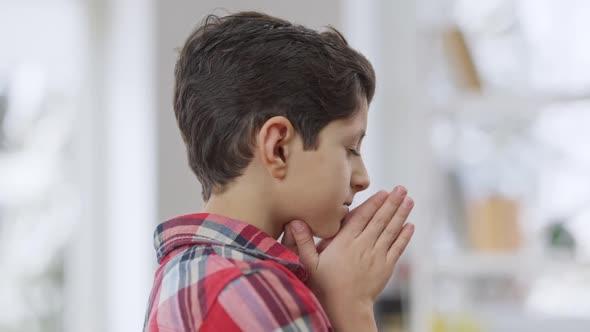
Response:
column 130, row 161
column 110, row 262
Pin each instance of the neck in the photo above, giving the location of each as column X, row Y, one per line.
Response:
column 241, row 202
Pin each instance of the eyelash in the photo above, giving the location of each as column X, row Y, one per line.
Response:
column 354, row 152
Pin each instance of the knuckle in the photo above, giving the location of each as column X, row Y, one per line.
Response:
column 375, row 202
column 391, row 232
column 303, row 242
column 404, row 213
column 397, row 251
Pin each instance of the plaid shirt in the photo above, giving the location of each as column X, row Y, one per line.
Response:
column 218, row 274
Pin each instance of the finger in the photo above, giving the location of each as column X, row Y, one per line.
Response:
column 400, row 244
column 289, row 239
column 384, row 214
column 308, row 253
column 394, row 227
column 358, row 218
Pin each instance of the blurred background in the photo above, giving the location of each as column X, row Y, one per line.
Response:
column 482, row 110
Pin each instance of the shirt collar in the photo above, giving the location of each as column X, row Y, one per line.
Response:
column 215, row 229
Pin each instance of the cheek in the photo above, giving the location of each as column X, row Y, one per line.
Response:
column 335, row 167
column 319, row 190
column 325, row 202
column 329, row 182
column 339, row 176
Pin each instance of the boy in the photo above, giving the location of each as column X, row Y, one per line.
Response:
column 273, row 115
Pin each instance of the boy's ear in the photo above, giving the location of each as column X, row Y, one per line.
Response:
column 274, row 142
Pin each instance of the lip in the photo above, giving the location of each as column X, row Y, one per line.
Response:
column 346, row 207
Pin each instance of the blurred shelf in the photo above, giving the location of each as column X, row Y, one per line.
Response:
column 478, row 104
column 507, row 318
column 474, row 265
column 500, row 292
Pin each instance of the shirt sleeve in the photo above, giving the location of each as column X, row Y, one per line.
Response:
column 266, row 300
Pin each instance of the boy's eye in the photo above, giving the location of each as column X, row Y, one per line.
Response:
column 354, row 152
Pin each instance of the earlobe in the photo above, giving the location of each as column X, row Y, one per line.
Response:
column 273, row 142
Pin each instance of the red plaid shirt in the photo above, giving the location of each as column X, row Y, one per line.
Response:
column 218, row 274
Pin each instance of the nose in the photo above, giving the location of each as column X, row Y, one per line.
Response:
column 360, row 178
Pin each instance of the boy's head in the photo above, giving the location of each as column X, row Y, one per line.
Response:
column 259, row 95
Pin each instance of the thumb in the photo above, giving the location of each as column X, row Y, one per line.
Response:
column 308, row 253
column 289, row 240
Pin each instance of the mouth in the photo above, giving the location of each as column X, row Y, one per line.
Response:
column 346, row 207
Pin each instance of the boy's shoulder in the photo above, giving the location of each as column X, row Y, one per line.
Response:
column 210, row 285
column 212, row 260
column 206, row 262
column 228, row 276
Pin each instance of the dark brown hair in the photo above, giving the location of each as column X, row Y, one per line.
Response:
column 236, row 72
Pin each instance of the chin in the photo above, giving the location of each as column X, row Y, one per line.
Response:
column 328, row 229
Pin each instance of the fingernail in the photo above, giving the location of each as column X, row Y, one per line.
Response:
column 400, row 190
column 408, row 202
column 298, row 226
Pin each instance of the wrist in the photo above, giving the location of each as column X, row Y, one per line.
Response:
column 352, row 317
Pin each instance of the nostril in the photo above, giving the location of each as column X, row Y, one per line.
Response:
column 362, row 186
column 360, row 182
